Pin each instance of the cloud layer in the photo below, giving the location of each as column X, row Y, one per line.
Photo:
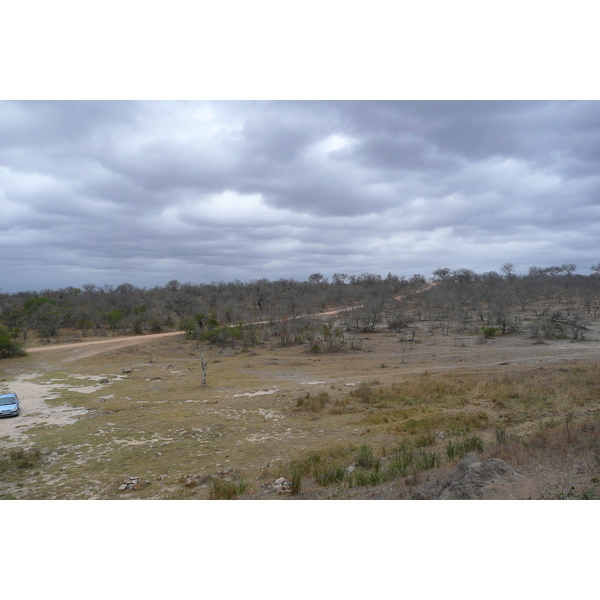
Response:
column 144, row 192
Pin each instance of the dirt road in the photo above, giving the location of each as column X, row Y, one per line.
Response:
column 110, row 343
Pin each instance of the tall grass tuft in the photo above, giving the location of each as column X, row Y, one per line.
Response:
column 326, row 475
column 224, row 489
column 312, row 403
column 458, row 449
column 364, row 457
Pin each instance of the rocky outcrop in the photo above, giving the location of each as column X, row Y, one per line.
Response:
column 473, row 479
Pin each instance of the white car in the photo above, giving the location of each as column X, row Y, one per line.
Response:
column 9, row 405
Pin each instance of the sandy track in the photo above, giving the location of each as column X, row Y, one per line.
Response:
column 114, row 342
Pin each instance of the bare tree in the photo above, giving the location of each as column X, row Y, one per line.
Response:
column 508, row 269
column 204, row 364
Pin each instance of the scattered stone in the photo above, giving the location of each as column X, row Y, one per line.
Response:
column 103, row 380
column 126, row 370
column 441, row 435
column 282, row 486
column 194, row 480
column 225, row 473
column 132, row 483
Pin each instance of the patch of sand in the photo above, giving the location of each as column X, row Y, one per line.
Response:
column 259, row 393
column 35, row 410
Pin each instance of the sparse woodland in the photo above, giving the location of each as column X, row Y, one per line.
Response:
column 546, row 303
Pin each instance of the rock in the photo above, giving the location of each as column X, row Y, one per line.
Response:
column 131, row 483
column 103, row 380
column 471, row 477
column 225, row 473
column 126, row 370
column 194, row 480
column 282, row 486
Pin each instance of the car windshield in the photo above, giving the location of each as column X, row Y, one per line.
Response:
column 4, row 400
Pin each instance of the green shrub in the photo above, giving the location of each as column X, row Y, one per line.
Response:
column 9, row 347
column 489, row 332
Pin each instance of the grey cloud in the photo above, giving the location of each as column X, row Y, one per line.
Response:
column 108, row 188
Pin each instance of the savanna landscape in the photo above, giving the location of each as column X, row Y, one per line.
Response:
column 361, row 387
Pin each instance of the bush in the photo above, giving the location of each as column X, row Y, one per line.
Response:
column 9, row 347
column 489, row 332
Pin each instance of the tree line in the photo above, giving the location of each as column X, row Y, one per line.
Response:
column 459, row 300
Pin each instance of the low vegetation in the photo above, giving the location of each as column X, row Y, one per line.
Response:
column 17, row 459
column 226, row 489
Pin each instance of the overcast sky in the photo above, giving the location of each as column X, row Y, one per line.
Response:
column 145, row 192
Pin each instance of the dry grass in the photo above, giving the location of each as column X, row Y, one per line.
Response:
column 273, row 407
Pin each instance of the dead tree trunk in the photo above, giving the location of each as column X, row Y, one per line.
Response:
column 204, row 364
